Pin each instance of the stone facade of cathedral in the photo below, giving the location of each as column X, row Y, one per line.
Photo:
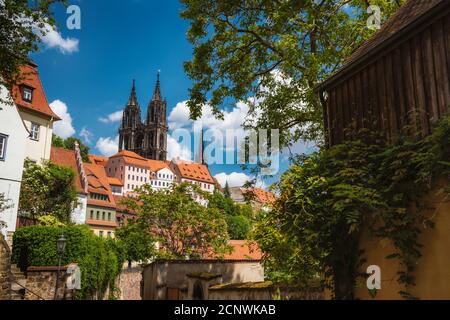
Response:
column 149, row 138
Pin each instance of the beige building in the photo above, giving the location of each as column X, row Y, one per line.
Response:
column 38, row 117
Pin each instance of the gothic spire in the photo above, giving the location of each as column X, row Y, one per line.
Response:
column 157, row 93
column 133, row 99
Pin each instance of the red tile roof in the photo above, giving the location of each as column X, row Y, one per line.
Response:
column 29, row 76
column 114, row 181
column 194, row 171
column 100, row 160
column 156, row 165
column 262, row 195
column 67, row 158
column 243, row 250
column 98, row 183
column 131, row 158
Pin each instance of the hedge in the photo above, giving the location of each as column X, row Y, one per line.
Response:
column 99, row 259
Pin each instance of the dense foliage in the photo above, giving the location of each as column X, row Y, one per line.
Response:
column 275, row 51
column 69, row 144
column 182, row 227
column 327, row 198
column 19, row 20
column 99, row 260
column 138, row 243
column 237, row 216
column 47, row 189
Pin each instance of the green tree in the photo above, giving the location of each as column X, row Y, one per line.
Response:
column 238, row 217
column 69, row 144
column 19, row 20
column 47, row 190
column 238, row 227
column 275, row 51
column 138, row 243
column 182, row 227
column 226, row 191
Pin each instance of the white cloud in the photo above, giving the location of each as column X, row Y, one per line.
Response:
column 63, row 128
column 112, row 117
column 53, row 39
column 177, row 150
column 179, row 117
column 86, row 135
column 235, row 179
column 108, row 146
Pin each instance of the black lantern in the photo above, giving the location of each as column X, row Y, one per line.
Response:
column 61, row 245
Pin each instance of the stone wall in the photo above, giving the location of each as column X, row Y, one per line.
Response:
column 5, row 267
column 41, row 284
column 130, row 283
column 263, row 291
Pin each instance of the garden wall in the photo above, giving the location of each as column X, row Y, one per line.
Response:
column 432, row 273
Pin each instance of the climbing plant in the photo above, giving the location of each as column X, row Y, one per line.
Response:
column 327, row 198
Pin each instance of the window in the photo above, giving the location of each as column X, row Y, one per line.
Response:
column 27, row 94
column 3, row 140
column 109, row 216
column 92, row 214
column 98, row 215
column 109, row 234
column 34, row 135
column 103, row 216
column 100, row 234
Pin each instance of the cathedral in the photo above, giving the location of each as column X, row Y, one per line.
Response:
column 149, row 138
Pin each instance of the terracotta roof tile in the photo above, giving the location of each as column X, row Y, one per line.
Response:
column 98, row 183
column 194, row 171
column 131, row 158
column 67, row 158
column 243, row 250
column 263, row 196
column 114, row 181
column 30, row 77
column 100, row 160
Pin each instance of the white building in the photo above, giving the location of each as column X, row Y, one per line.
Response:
column 13, row 137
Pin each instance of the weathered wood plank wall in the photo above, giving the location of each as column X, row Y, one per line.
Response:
column 404, row 88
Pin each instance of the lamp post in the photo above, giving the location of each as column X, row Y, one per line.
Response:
column 60, row 249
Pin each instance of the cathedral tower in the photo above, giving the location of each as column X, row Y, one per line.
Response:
column 148, row 139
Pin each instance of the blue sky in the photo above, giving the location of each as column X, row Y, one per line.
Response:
column 88, row 73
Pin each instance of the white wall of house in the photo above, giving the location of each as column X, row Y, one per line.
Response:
column 38, row 150
column 79, row 213
column 11, row 164
column 163, row 179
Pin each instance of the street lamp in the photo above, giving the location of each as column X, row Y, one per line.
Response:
column 60, row 249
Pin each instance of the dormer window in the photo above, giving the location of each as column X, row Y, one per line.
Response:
column 27, row 94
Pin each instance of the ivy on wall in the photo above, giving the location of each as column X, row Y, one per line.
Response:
column 328, row 197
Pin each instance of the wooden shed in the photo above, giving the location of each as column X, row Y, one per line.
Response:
column 397, row 80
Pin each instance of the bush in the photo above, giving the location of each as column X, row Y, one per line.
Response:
column 100, row 260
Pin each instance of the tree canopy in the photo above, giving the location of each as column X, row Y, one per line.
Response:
column 327, row 198
column 275, row 52
column 19, row 21
column 47, row 190
column 69, row 144
column 182, row 227
column 237, row 216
